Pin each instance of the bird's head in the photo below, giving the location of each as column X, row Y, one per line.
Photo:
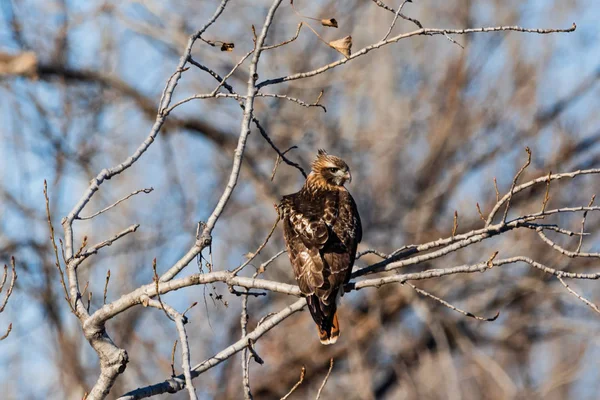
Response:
column 330, row 170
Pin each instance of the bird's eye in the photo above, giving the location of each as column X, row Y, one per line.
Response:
column 333, row 170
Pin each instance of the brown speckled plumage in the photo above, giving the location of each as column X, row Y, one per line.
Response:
column 322, row 230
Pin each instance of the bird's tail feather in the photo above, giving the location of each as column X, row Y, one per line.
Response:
column 325, row 317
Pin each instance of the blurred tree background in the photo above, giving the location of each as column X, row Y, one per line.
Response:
column 425, row 126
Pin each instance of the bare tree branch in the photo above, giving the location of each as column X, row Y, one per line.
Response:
column 423, row 31
column 175, row 384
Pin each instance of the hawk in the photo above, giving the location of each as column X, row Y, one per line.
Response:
column 322, row 229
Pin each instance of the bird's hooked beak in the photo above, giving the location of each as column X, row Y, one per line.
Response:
column 348, row 176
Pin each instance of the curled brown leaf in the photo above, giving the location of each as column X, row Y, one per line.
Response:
column 329, row 22
column 227, row 46
column 343, row 45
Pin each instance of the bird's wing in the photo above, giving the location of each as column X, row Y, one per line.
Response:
column 305, row 235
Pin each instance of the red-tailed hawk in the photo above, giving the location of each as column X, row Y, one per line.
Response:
column 322, row 228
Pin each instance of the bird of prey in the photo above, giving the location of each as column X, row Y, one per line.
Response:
column 322, row 229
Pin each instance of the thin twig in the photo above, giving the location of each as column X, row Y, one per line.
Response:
column 305, row 16
column 295, row 100
column 194, row 304
column 173, row 359
column 202, row 97
column 245, row 293
column 90, row 294
column 497, row 191
column 450, row 306
column 11, row 285
column 274, row 147
column 57, row 261
column 385, row 7
column 8, row 330
column 94, row 249
column 278, row 161
column 574, row 293
column 285, row 42
column 394, row 20
column 547, row 194
column 264, row 265
column 536, row 181
column 514, row 183
column 9, row 291
column 62, row 249
column 81, row 248
column 106, row 286
column 156, row 282
column 310, row 27
column 4, row 277
column 490, row 261
column 314, row 31
column 325, row 380
column 302, row 373
column 214, row 43
column 451, row 40
column 175, row 75
column 262, row 246
column 480, row 213
column 371, row 251
column 535, row 216
column 554, row 228
column 562, row 250
column 235, row 67
column 254, row 353
column 148, row 190
column 455, row 224
column 583, row 224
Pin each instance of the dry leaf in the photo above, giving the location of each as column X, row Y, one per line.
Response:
column 343, row 45
column 331, row 22
column 227, row 46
